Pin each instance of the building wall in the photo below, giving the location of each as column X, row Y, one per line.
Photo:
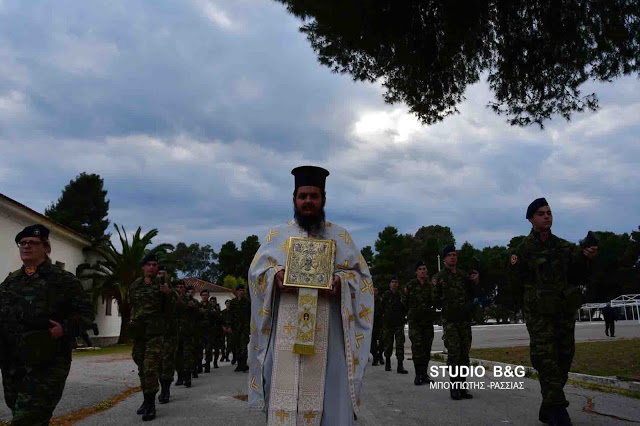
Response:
column 66, row 247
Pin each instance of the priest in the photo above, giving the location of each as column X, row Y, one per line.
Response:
column 309, row 348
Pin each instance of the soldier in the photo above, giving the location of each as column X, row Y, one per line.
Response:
column 376, row 338
column 610, row 317
column 454, row 292
column 186, row 317
column 394, row 318
column 239, row 318
column 196, row 361
column 216, row 332
column 421, row 314
column 226, row 335
column 210, row 320
column 547, row 271
column 150, row 299
column 169, row 342
column 42, row 311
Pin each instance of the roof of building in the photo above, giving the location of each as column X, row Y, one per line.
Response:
column 200, row 285
column 45, row 220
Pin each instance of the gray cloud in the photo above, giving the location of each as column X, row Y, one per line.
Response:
column 195, row 112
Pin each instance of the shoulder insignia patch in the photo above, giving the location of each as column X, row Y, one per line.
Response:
column 514, row 259
column 147, row 280
column 30, row 270
column 406, row 290
column 434, row 281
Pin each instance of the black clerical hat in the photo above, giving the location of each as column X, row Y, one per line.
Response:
column 310, row 176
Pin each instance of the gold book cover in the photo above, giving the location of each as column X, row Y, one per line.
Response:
column 310, row 263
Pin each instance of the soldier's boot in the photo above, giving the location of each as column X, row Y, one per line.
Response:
column 455, row 389
column 150, row 412
column 245, row 366
column 400, row 368
column 559, row 417
column 199, row 367
column 380, row 358
column 375, row 360
column 425, row 374
column 142, row 408
column 180, row 380
column 164, row 392
column 239, row 366
column 464, row 394
column 215, row 361
column 233, row 359
column 194, row 373
column 544, row 414
column 418, row 381
column 387, row 364
column 207, row 367
column 187, row 379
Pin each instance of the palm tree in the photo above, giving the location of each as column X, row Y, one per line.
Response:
column 116, row 271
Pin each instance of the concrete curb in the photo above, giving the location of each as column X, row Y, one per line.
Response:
column 598, row 380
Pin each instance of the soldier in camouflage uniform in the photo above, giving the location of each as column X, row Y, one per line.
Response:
column 421, row 314
column 186, row 311
column 150, row 299
column 226, row 334
column 454, row 292
column 42, row 310
column 169, row 342
column 376, row 336
column 196, row 361
column 210, row 322
column 547, row 271
column 239, row 318
column 394, row 314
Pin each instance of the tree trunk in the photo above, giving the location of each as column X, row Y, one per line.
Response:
column 125, row 315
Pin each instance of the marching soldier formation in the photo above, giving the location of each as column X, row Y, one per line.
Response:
column 43, row 309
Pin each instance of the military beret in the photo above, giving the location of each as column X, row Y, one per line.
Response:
column 447, row 250
column 180, row 282
column 394, row 278
column 204, row 290
column 240, row 287
column 419, row 263
column 162, row 268
column 535, row 205
column 149, row 258
column 33, row 231
column 310, row 176
column 189, row 287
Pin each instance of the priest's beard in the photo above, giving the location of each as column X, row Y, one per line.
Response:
column 314, row 225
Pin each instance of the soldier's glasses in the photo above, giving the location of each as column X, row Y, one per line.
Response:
column 23, row 244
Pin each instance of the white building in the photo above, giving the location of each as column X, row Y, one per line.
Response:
column 68, row 250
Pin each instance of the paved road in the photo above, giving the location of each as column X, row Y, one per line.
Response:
column 388, row 396
column 495, row 336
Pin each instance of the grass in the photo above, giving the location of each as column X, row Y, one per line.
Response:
column 111, row 350
column 620, row 358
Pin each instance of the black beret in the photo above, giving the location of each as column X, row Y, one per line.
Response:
column 204, row 290
column 310, row 176
column 33, row 231
column 189, row 287
column 149, row 258
column 162, row 268
column 535, row 205
column 180, row 282
column 240, row 287
column 447, row 250
column 394, row 278
column 420, row 263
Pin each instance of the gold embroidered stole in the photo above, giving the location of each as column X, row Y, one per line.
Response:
column 305, row 334
column 297, row 381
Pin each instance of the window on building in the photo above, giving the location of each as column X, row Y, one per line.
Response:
column 108, row 306
column 60, row 264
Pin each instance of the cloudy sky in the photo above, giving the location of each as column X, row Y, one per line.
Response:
column 194, row 113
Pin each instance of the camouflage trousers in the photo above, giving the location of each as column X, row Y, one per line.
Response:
column 389, row 335
column 147, row 354
column 376, row 340
column 169, row 352
column 211, row 346
column 196, row 360
column 552, row 350
column 185, row 357
column 421, row 336
column 240, row 343
column 33, row 395
column 229, row 344
column 457, row 340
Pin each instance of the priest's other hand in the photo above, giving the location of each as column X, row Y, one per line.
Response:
column 280, row 286
column 335, row 288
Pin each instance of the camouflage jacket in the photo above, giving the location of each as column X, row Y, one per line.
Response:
column 211, row 318
column 149, row 306
column 454, row 294
column 188, row 317
column 545, row 275
column 240, row 315
column 27, row 303
column 419, row 301
column 377, row 313
column 394, row 311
